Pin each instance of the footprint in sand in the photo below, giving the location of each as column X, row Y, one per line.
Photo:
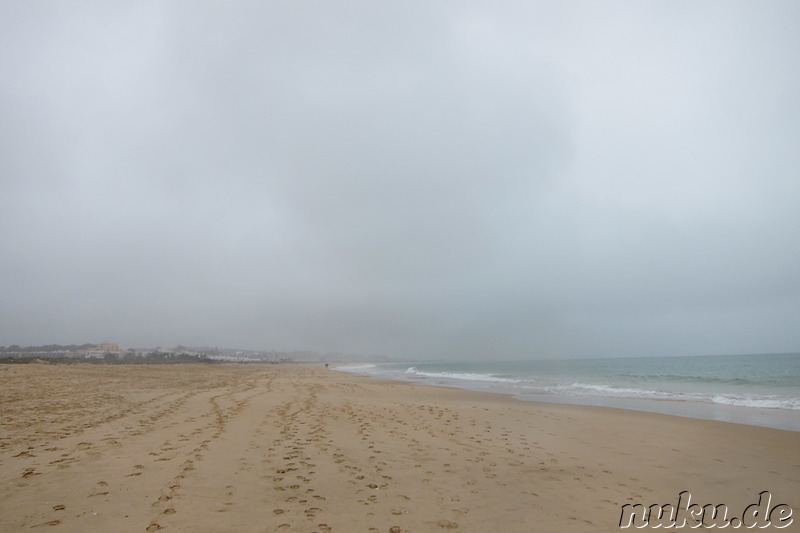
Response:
column 50, row 523
column 28, row 472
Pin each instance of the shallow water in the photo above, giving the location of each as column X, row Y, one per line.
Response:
column 759, row 390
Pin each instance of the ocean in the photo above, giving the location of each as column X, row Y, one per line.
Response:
column 761, row 390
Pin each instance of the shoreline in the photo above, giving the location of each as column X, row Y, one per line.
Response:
column 286, row 448
column 774, row 418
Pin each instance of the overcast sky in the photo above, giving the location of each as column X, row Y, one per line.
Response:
column 473, row 180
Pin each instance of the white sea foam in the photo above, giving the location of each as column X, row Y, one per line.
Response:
column 357, row 369
column 607, row 390
column 760, row 402
column 751, row 400
column 461, row 376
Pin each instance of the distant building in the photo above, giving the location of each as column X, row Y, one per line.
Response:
column 103, row 348
column 108, row 347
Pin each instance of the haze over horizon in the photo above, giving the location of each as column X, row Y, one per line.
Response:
column 454, row 180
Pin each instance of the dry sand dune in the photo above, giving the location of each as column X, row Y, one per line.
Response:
column 263, row 448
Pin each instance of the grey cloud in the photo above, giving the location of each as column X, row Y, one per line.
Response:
column 457, row 180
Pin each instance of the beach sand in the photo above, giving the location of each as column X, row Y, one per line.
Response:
column 263, row 448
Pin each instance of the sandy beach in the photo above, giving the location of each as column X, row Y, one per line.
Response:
column 301, row 448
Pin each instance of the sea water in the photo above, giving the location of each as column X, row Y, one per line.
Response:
column 751, row 389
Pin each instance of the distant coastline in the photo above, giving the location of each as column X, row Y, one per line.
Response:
column 113, row 353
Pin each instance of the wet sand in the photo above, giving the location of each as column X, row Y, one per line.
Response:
column 263, row 448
